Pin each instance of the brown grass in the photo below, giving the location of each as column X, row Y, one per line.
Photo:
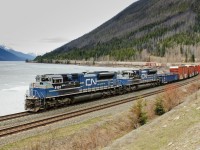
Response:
column 100, row 135
column 149, row 109
column 171, row 97
column 95, row 137
column 193, row 88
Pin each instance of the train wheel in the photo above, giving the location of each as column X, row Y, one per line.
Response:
column 128, row 88
column 121, row 91
column 135, row 87
column 68, row 101
column 112, row 92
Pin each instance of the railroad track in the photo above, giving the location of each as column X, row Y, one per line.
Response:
column 57, row 118
column 13, row 116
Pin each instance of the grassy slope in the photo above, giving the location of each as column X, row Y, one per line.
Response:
column 178, row 129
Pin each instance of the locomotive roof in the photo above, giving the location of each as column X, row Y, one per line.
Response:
column 190, row 65
column 95, row 72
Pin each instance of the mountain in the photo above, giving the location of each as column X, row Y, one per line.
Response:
column 7, row 54
column 146, row 28
column 21, row 55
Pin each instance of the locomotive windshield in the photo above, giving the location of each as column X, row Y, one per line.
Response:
column 49, row 78
column 57, row 80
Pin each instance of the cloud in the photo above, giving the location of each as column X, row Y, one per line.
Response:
column 10, row 45
column 54, row 40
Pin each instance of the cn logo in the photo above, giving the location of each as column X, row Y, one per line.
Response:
column 89, row 82
column 144, row 76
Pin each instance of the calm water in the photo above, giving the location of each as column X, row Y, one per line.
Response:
column 15, row 78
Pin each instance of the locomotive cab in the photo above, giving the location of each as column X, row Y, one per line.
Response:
column 42, row 79
column 128, row 73
column 50, row 86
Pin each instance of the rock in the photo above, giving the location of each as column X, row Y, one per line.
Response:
column 198, row 108
column 164, row 126
column 177, row 118
column 170, row 143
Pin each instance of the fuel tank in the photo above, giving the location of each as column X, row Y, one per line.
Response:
column 87, row 97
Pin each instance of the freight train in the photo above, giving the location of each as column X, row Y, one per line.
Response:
column 55, row 90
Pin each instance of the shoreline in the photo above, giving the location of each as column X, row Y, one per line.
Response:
column 115, row 63
column 105, row 63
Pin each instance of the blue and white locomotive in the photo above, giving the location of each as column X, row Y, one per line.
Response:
column 54, row 90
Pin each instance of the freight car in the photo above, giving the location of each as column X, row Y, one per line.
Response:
column 55, row 90
column 180, row 70
column 185, row 71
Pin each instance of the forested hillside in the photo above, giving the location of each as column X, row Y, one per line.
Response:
column 159, row 28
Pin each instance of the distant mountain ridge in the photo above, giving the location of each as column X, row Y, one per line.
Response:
column 21, row 55
column 147, row 27
column 7, row 54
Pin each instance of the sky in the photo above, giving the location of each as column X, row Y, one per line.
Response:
column 40, row 26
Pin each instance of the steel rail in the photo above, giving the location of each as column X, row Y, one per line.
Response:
column 13, row 116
